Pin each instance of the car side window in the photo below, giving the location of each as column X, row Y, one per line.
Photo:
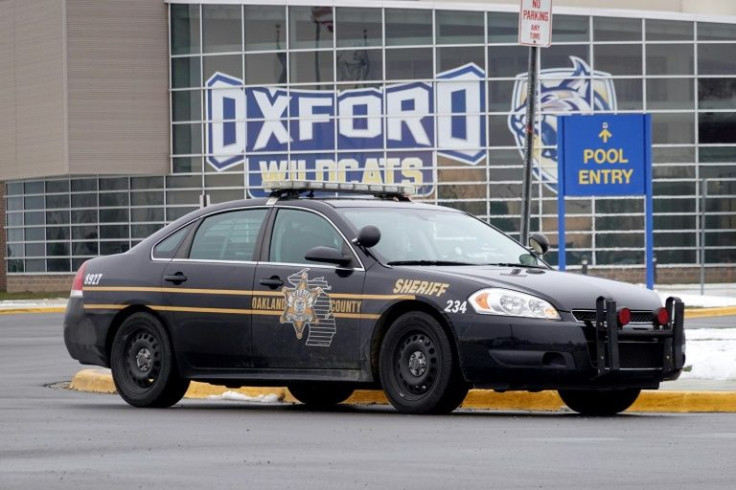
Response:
column 295, row 232
column 228, row 236
column 166, row 248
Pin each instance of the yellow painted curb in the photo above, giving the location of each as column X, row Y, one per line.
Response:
column 205, row 390
column 685, row 401
column 100, row 381
column 546, row 401
column 48, row 309
column 93, row 380
column 710, row 312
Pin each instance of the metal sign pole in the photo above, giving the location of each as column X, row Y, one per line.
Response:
column 561, row 259
column 704, row 203
column 529, row 143
column 648, row 202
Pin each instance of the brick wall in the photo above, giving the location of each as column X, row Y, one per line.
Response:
column 3, row 244
column 40, row 283
column 665, row 275
column 668, row 275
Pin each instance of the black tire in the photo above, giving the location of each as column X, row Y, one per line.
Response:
column 143, row 366
column 599, row 403
column 418, row 366
column 320, row 395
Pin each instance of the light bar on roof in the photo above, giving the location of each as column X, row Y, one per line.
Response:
column 351, row 187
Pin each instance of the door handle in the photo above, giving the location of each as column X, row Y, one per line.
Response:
column 273, row 282
column 177, row 278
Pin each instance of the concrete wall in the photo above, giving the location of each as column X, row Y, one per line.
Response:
column 32, row 90
column 83, row 88
column 117, row 68
column 705, row 7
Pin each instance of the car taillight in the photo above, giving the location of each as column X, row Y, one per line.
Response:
column 624, row 317
column 78, row 283
column 662, row 317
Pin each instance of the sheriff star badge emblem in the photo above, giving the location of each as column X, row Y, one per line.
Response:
column 306, row 303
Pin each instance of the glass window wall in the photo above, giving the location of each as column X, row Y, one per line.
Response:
column 296, row 67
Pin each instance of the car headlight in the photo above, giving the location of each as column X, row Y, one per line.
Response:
column 496, row 301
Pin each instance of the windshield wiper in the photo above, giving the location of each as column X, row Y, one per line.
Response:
column 427, row 262
column 509, row 264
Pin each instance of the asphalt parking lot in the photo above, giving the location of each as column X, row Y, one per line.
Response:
column 56, row 438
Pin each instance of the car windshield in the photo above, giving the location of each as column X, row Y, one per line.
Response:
column 437, row 237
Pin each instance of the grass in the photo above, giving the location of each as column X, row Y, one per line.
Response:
column 29, row 295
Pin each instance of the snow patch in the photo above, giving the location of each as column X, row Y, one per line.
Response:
column 32, row 303
column 697, row 301
column 711, row 353
column 239, row 397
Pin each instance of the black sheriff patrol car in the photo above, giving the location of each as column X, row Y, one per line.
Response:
column 329, row 294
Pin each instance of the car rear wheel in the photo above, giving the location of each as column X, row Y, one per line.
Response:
column 143, row 365
column 320, row 395
column 599, row 403
column 418, row 366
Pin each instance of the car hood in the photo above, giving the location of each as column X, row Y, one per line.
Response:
column 564, row 290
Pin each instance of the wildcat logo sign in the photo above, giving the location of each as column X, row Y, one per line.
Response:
column 387, row 136
column 577, row 89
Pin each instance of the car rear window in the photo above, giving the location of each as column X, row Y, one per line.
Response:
column 228, row 236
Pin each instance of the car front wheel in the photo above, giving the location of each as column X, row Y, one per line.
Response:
column 143, row 365
column 418, row 366
column 599, row 403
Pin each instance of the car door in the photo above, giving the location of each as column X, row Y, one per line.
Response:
column 207, row 291
column 306, row 314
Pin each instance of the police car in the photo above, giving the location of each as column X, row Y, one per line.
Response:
column 329, row 294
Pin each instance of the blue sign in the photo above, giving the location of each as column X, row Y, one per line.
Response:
column 606, row 155
column 603, row 155
column 327, row 135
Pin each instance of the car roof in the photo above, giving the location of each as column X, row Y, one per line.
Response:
column 348, row 202
column 302, row 201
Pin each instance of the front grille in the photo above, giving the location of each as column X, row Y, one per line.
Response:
column 635, row 355
column 636, row 316
column 640, row 355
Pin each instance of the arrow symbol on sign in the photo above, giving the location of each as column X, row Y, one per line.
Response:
column 605, row 133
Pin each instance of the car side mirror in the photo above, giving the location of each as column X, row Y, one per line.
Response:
column 327, row 254
column 368, row 236
column 539, row 243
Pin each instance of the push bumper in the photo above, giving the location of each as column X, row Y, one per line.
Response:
column 526, row 354
column 609, row 339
